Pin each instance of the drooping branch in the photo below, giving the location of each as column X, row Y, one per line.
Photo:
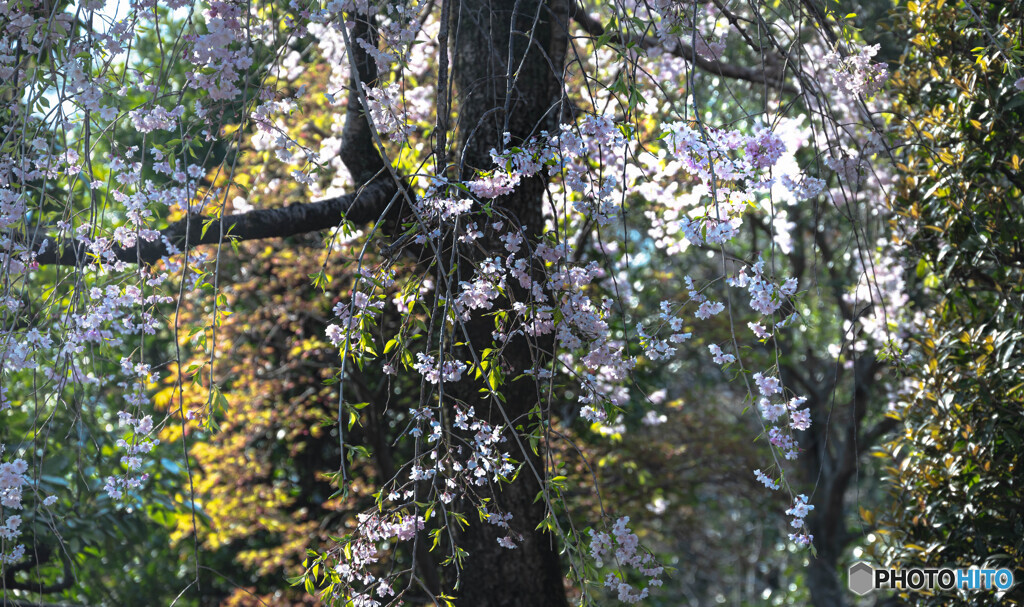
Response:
column 362, row 206
column 774, row 78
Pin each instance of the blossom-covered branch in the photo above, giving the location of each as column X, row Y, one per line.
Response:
column 774, row 78
column 361, row 206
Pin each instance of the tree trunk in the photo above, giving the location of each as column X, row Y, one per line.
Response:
column 486, row 35
column 823, row 581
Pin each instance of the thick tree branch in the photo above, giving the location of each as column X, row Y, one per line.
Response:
column 876, row 432
column 773, row 78
column 358, row 153
column 364, row 205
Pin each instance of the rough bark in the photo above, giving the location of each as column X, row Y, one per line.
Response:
column 492, row 98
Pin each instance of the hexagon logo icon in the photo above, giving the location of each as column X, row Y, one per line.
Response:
column 861, row 577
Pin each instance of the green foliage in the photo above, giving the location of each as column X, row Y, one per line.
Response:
column 956, row 471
